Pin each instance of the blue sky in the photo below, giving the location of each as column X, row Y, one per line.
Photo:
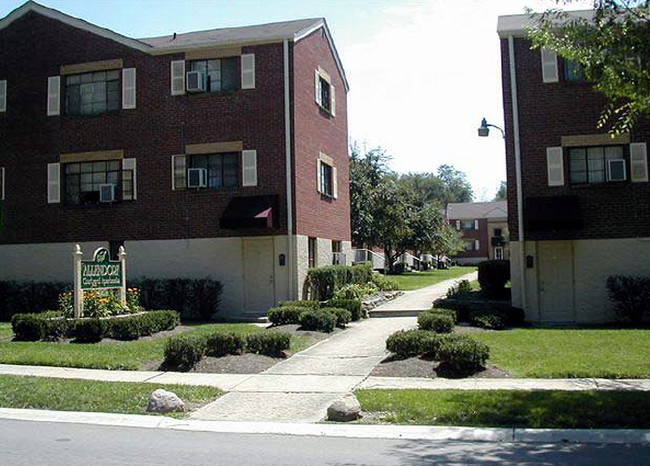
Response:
column 422, row 73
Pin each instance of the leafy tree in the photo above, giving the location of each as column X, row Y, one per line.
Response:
column 502, row 193
column 613, row 48
column 457, row 188
column 447, row 242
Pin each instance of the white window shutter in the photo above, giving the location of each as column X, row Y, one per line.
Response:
column 128, row 88
column 3, row 95
column 638, row 162
column 178, row 77
column 129, row 164
column 549, row 66
column 2, row 183
column 248, row 71
column 53, row 183
column 249, row 167
column 476, row 245
column 333, row 100
column 319, row 185
column 457, row 224
column 335, row 184
column 555, row 166
column 317, row 90
column 179, row 162
column 476, row 224
column 53, row 95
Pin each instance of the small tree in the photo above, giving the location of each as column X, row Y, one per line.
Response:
column 447, row 242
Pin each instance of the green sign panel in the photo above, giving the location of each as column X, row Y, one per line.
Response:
column 101, row 272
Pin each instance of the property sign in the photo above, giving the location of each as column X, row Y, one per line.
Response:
column 101, row 272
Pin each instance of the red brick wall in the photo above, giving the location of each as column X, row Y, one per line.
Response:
column 481, row 235
column 33, row 48
column 317, row 132
column 546, row 113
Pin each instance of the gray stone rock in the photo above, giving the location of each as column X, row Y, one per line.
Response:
column 344, row 410
column 162, row 401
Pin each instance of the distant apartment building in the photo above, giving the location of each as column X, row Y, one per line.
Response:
column 484, row 226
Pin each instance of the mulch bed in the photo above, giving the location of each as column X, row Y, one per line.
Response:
column 424, row 366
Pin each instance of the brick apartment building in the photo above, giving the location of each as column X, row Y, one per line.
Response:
column 577, row 198
column 484, row 226
column 219, row 153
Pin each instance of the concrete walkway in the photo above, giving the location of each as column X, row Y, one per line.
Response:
column 301, row 388
column 418, row 300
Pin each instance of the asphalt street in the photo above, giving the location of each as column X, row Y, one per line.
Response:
column 25, row 443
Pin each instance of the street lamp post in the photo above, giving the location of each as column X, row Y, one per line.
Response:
column 484, row 129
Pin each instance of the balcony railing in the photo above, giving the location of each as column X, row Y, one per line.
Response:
column 366, row 255
column 339, row 258
column 498, row 241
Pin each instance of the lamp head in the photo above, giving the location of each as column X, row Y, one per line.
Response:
column 483, row 130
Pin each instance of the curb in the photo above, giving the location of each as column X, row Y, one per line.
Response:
column 399, row 432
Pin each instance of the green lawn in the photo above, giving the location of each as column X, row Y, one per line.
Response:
column 92, row 396
column 557, row 353
column 415, row 280
column 504, row 408
column 127, row 355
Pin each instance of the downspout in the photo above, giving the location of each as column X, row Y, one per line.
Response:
column 287, row 150
column 515, row 127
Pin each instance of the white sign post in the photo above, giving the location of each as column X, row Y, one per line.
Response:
column 121, row 254
column 77, row 255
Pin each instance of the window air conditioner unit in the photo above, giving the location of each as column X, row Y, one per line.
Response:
column 106, row 193
column 616, row 170
column 197, row 178
column 195, row 81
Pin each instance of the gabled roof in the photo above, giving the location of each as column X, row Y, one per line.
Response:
column 264, row 33
column 476, row 210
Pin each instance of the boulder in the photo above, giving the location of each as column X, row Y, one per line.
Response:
column 344, row 410
column 162, row 401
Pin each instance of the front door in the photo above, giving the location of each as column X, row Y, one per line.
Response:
column 555, row 260
column 259, row 280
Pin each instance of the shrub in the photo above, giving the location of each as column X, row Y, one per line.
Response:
column 268, row 343
column 462, row 355
column 322, row 282
column 219, row 344
column 343, row 316
column 461, row 288
column 193, row 298
column 410, row 343
column 89, row 330
column 27, row 327
column 54, row 328
column 28, row 297
column 355, row 291
column 286, row 315
column 447, row 312
column 489, row 320
column 183, row 352
column 304, row 303
column 436, row 322
column 384, row 283
column 163, row 320
column 126, row 328
column 353, row 305
column 630, row 295
column 319, row 320
column 493, row 276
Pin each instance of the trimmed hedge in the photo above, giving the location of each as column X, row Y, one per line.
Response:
column 490, row 320
column 462, row 355
column 50, row 326
column 493, row 276
column 220, row 344
column 322, row 282
column 411, row 343
column 28, row 297
column 355, row 306
column 286, row 315
column 268, row 343
column 183, row 352
column 319, row 320
column 436, row 322
column 343, row 316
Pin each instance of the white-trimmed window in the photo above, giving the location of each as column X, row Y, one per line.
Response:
column 325, row 92
column 93, row 93
column 326, row 177
column 471, row 245
column 83, row 181
column 498, row 253
column 593, row 165
column 219, row 74
column 468, row 225
column 221, row 169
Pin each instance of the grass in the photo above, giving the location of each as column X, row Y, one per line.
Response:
column 127, row 355
column 92, row 396
column 416, row 280
column 580, row 352
column 509, row 408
